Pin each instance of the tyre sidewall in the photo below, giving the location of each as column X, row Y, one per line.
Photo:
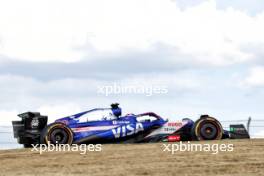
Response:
column 197, row 126
column 45, row 135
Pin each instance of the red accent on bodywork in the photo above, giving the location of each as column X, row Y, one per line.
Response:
column 174, row 138
column 175, row 124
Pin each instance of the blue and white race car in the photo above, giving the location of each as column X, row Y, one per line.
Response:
column 107, row 125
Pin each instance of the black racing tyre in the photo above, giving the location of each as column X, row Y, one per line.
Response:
column 207, row 128
column 57, row 133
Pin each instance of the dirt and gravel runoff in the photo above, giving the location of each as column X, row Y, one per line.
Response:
column 138, row 159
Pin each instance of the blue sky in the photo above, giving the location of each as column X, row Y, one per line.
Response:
column 55, row 54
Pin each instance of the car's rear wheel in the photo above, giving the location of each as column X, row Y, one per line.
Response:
column 207, row 128
column 57, row 133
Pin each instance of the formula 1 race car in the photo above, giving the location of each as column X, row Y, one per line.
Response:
column 107, row 125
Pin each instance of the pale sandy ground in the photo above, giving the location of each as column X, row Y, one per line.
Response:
column 138, row 159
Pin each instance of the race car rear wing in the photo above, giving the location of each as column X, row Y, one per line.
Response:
column 28, row 129
column 33, row 120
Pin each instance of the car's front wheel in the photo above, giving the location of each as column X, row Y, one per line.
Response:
column 57, row 133
column 207, row 128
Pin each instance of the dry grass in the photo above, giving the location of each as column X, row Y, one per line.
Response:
column 138, row 159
